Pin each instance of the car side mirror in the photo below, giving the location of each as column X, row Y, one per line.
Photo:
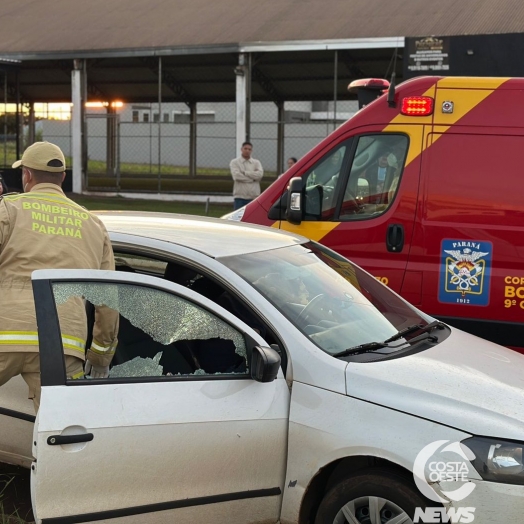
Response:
column 265, row 363
column 294, row 212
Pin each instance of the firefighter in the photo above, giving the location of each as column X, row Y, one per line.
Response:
column 40, row 229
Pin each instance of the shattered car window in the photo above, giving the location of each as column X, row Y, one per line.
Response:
column 160, row 334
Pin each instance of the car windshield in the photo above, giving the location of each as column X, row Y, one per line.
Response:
column 331, row 300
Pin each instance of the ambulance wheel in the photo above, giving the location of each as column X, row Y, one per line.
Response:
column 376, row 497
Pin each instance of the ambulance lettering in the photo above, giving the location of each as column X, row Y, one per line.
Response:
column 465, row 272
column 514, row 291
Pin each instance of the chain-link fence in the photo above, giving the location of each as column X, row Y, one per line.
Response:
column 148, row 147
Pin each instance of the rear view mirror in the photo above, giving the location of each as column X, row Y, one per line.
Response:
column 265, row 363
column 294, row 212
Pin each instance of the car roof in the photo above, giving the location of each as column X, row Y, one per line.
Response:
column 213, row 236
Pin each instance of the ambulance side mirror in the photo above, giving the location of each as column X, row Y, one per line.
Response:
column 295, row 198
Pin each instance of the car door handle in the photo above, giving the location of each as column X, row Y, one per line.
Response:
column 395, row 238
column 58, row 440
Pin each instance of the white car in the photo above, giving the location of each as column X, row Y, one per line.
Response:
column 262, row 378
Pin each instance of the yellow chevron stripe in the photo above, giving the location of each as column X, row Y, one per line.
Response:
column 313, row 230
column 465, row 96
column 413, row 127
column 463, row 82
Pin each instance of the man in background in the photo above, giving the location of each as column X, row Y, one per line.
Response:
column 247, row 173
column 43, row 229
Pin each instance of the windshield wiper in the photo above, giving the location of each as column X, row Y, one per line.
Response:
column 373, row 346
column 362, row 348
column 414, row 328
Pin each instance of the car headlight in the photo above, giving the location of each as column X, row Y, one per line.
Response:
column 235, row 215
column 497, row 460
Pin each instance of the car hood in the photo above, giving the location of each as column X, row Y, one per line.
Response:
column 464, row 382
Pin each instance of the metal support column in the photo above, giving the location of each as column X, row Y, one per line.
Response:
column 31, row 135
column 17, row 117
column 335, row 81
column 111, row 140
column 241, row 98
column 280, row 138
column 248, row 97
column 77, row 125
column 192, row 139
column 5, row 119
column 159, row 160
column 83, row 125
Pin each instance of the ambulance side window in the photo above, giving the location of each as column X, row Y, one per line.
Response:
column 374, row 177
column 322, row 181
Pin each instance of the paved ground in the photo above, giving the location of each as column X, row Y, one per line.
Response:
column 15, row 497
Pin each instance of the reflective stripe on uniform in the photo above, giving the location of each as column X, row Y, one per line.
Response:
column 19, row 337
column 73, row 343
column 30, row 338
column 98, row 348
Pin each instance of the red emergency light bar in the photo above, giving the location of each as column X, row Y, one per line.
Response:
column 417, row 106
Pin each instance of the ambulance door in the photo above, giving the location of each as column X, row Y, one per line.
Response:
column 360, row 200
column 471, row 233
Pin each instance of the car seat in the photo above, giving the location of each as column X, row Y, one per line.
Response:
column 179, row 274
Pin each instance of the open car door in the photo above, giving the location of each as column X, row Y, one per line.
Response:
column 179, row 429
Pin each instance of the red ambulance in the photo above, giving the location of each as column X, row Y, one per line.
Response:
column 424, row 188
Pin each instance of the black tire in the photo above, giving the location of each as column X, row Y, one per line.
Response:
column 381, row 483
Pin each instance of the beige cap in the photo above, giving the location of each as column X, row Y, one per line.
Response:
column 43, row 156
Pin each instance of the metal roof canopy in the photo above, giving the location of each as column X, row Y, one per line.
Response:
column 281, row 71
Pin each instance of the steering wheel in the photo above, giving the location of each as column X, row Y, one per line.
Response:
column 304, row 314
column 350, row 205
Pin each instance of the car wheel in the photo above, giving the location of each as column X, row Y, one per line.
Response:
column 375, row 497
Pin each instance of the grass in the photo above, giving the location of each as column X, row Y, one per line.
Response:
column 127, row 204
column 8, row 498
column 100, row 166
column 142, row 183
column 181, row 185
